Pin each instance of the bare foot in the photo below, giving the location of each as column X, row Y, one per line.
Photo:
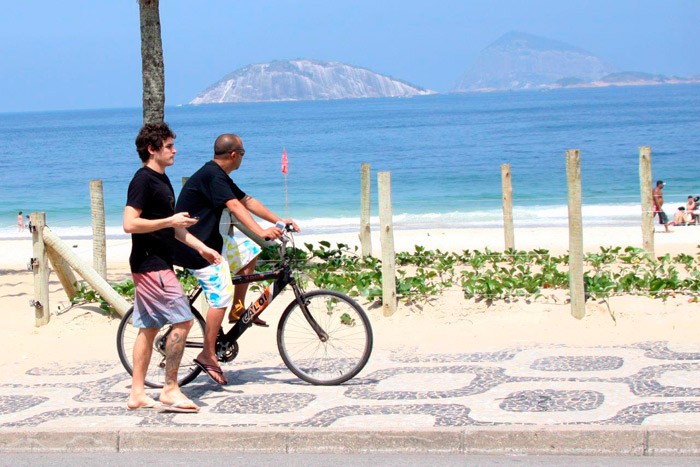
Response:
column 209, row 360
column 140, row 401
column 213, row 370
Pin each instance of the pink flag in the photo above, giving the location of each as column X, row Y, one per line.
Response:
column 285, row 163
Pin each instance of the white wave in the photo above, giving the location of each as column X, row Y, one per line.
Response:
column 533, row 216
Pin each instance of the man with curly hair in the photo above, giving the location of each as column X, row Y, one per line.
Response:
column 150, row 218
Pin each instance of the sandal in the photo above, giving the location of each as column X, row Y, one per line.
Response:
column 184, row 406
column 256, row 321
column 153, row 405
column 213, row 371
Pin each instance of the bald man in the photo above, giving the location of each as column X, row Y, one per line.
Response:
column 205, row 195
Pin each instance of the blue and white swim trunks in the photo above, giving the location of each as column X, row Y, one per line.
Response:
column 215, row 279
column 239, row 252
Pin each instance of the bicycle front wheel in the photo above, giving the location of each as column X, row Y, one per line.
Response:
column 155, row 375
column 342, row 355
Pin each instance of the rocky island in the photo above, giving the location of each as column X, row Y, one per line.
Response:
column 304, row 79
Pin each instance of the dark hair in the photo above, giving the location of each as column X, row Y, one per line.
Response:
column 660, row 182
column 696, row 198
column 19, row 213
column 682, row 208
column 153, row 135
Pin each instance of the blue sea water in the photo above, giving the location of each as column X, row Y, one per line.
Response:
column 444, row 153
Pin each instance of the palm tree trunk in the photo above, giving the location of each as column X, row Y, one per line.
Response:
column 152, row 62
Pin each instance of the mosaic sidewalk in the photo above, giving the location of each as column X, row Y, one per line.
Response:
column 650, row 384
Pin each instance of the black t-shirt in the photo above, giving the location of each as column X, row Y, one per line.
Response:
column 205, row 195
column 152, row 192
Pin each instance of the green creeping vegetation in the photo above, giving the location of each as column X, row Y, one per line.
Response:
column 491, row 275
column 479, row 274
column 84, row 294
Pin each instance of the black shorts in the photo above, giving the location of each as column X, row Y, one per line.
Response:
column 663, row 218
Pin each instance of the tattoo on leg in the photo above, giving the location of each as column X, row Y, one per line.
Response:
column 174, row 348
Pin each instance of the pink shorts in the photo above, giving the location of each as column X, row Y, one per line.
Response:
column 159, row 300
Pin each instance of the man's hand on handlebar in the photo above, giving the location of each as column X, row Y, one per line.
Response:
column 294, row 225
column 271, row 233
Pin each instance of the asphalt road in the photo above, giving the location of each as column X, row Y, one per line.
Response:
column 138, row 459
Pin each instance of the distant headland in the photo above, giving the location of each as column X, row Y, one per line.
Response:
column 521, row 61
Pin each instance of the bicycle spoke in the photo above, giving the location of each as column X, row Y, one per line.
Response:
column 341, row 355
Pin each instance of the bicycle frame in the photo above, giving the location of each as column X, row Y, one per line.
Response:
column 282, row 278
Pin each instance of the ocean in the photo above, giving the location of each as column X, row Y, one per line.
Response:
column 444, row 153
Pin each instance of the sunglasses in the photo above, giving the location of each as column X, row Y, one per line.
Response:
column 240, row 151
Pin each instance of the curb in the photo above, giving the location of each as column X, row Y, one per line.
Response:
column 626, row 441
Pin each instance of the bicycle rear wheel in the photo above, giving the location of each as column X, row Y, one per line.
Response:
column 155, row 375
column 342, row 355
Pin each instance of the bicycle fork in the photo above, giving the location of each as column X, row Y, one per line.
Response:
column 322, row 335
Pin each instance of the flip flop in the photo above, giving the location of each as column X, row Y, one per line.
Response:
column 212, row 370
column 155, row 406
column 258, row 322
column 184, row 406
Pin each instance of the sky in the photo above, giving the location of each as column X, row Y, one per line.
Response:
column 85, row 54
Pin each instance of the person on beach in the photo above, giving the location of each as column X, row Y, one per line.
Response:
column 690, row 207
column 658, row 205
column 205, row 195
column 150, row 218
column 29, row 223
column 680, row 218
column 20, row 222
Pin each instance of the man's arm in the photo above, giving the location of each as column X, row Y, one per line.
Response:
column 134, row 223
column 260, row 210
column 241, row 213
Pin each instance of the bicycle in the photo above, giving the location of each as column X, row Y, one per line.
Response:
column 324, row 337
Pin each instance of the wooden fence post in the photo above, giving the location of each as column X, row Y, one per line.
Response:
column 99, row 241
column 365, row 211
column 63, row 271
column 647, row 203
column 40, row 268
column 386, row 238
column 507, row 187
column 573, row 181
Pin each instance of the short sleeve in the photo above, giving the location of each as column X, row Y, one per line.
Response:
column 138, row 192
column 222, row 189
column 237, row 191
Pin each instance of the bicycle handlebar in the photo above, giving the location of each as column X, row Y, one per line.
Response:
column 284, row 228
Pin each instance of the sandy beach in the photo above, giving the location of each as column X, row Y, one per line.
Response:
column 448, row 323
